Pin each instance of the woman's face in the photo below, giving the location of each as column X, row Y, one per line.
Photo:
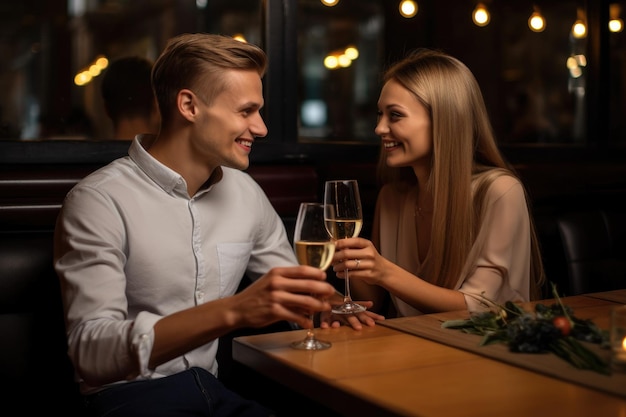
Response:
column 404, row 126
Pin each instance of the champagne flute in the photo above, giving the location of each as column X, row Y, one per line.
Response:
column 343, row 218
column 313, row 246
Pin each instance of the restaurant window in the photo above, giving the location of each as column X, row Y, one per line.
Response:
column 533, row 78
column 541, row 93
column 54, row 54
column 537, row 84
column 340, row 48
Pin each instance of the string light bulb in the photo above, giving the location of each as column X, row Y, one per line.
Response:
column 329, row 3
column 536, row 22
column 408, row 8
column 615, row 23
column 480, row 15
column 579, row 28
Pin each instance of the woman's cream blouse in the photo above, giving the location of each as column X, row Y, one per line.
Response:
column 498, row 265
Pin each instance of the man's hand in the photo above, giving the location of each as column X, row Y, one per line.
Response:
column 369, row 318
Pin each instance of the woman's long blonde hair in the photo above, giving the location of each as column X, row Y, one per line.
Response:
column 464, row 149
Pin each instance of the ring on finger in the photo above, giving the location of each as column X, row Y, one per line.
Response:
column 358, row 262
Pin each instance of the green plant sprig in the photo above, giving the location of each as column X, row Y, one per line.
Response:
column 537, row 332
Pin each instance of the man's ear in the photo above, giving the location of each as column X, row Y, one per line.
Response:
column 186, row 104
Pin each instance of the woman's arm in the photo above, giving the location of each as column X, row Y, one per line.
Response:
column 377, row 273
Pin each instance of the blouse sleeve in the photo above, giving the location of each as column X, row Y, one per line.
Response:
column 498, row 267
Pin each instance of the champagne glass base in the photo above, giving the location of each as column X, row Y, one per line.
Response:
column 311, row 344
column 348, row 308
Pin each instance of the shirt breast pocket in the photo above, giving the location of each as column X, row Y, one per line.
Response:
column 233, row 260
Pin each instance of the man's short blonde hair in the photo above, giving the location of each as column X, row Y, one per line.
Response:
column 197, row 62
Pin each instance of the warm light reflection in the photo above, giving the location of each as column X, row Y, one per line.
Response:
column 408, row 8
column 344, row 61
column 575, row 64
column 329, row 3
column 481, row 16
column 94, row 69
column 331, row 62
column 579, row 30
column 82, row 78
column 102, row 62
column 239, row 37
column 341, row 58
column 352, row 53
column 575, row 72
column 536, row 22
column 571, row 62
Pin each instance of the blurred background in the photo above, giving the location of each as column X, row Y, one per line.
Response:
column 552, row 71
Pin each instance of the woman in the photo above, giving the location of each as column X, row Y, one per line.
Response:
column 452, row 228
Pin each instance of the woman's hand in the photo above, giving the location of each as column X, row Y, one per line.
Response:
column 361, row 258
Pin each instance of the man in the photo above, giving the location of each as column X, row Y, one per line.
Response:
column 150, row 249
column 128, row 98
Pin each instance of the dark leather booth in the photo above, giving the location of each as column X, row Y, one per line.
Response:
column 594, row 244
column 34, row 367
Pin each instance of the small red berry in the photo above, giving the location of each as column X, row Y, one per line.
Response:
column 563, row 324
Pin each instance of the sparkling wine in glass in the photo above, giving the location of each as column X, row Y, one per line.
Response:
column 343, row 218
column 313, row 246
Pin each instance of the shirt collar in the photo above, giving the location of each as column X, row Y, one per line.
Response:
column 169, row 180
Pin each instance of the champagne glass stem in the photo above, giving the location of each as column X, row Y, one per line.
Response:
column 310, row 332
column 348, row 306
column 347, row 298
column 310, row 342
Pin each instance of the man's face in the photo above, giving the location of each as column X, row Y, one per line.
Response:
column 227, row 128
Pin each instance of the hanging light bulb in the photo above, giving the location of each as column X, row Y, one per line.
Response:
column 408, row 8
column 536, row 22
column 615, row 23
column 579, row 28
column 330, row 3
column 480, row 15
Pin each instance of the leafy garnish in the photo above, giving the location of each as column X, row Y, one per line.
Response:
column 550, row 328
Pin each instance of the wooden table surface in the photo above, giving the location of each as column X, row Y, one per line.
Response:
column 380, row 371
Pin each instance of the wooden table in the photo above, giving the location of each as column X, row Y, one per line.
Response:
column 381, row 371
